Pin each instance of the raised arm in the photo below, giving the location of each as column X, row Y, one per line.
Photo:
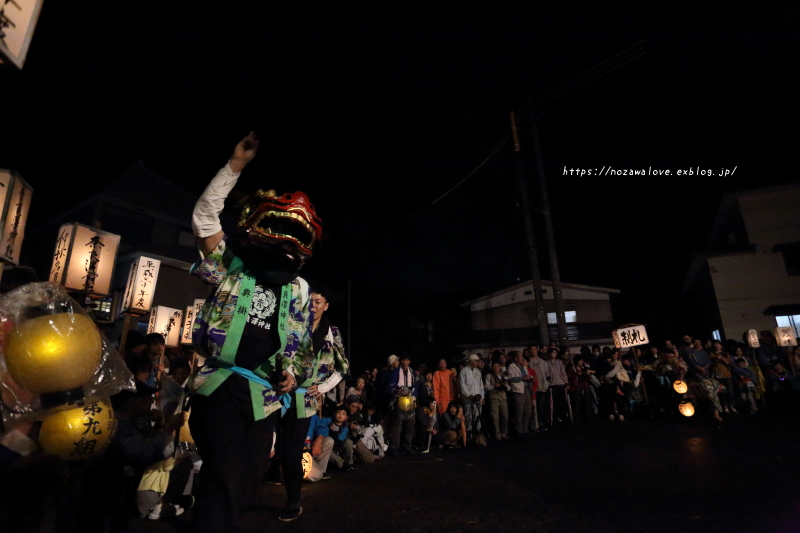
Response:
column 205, row 219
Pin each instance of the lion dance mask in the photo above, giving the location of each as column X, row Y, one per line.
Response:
column 276, row 234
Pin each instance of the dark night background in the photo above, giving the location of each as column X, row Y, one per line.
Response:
column 376, row 112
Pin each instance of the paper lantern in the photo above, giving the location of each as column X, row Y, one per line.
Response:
column 188, row 322
column 15, row 202
column 785, row 336
column 78, row 433
column 629, row 336
column 19, row 19
column 166, row 321
column 686, row 408
column 53, row 353
column 680, row 387
column 84, row 259
column 752, row 338
column 308, row 463
column 141, row 286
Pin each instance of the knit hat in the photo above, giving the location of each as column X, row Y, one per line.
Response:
column 392, row 359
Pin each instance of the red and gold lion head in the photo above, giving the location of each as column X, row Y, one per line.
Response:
column 290, row 217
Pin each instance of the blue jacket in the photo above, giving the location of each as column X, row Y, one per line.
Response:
column 394, row 380
column 321, row 426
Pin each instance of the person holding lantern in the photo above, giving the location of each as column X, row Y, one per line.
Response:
column 255, row 332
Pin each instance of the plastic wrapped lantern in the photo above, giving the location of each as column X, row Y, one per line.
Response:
column 686, row 408
column 53, row 350
column 78, row 433
column 680, row 387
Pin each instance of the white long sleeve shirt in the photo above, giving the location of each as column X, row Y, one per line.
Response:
column 470, row 382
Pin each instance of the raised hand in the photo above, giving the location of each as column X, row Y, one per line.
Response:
column 244, row 152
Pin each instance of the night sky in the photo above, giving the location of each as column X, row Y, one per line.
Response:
column 375, row 113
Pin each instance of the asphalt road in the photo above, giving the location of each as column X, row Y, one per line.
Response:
column 637, row 476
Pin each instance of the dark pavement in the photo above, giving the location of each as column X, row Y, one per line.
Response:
column 636, row 476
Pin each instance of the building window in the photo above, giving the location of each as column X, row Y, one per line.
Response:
column 792, row 321
column 570, row 316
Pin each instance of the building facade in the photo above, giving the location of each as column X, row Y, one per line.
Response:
column 748, row 276
column 508, row 318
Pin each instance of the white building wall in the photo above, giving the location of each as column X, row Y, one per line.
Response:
column 746, row 285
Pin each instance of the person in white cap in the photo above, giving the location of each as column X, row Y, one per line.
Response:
column 472, row 393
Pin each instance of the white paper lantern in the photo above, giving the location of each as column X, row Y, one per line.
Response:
column 15, row 202
column 19, row 20
column 752, row 338
column 166, row 321
column 141, row 286
column 84, row 259
column 188, row 322
column 785, row 336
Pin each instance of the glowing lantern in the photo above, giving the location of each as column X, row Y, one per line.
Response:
column 752, row 338
column 84, row 259
column 167, row 321
column 184, row 433
column 785, row 336
column 141, row 286
column 53, row 353
column 78, row 433
column 680, row 387
column 188, row 323
column 15, row 202
column 18, row 23
column 308, row 463
column 686, row 408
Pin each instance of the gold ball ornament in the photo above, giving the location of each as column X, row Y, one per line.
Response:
column 78, row 433
column 405, row 403
column 53, row 353
column 680, row 387
column 686, row 408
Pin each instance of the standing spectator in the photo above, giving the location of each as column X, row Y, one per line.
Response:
column 472, row 392
column 383, row 385
column 543, row 399
column 558, row 386
column 530, row 389
column 444, row 386
column 517, row 377
column 747, row 386
column 496, row 386
column 404, row 384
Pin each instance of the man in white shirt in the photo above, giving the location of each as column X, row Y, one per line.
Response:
column 472, row 392
column 517, row 376
column 404, row 383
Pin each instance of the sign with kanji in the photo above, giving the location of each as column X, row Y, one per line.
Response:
column 84, row 259
column 166, row 321
column 15, row 202
column 752, row 338
column 17, row 21
column 141, row 286
column 188, row 322
column 630, row 336
column 785, row 336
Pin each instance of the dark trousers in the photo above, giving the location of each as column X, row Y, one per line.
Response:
column 292, row 437
column 560, row 400
column 543, row 407
column 402, row 429
column 235, row 450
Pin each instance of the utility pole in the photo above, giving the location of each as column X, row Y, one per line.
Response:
column 555, row 275
column 541, row 316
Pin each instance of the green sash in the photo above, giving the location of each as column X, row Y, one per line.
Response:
column 227, row 357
